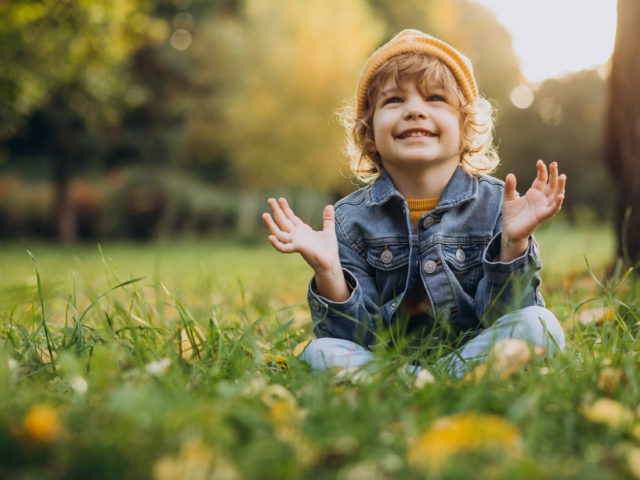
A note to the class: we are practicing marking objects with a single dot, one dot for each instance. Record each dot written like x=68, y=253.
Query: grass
x=138, y=361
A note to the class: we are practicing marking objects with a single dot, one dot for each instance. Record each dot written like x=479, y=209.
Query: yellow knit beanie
x=415, y=41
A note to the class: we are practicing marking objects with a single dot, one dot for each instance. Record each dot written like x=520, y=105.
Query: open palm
x=289, y=234
x=522, y=215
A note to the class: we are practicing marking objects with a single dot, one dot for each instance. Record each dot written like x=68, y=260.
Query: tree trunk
x=622, y=155
x=67, y=148
x=64, y=208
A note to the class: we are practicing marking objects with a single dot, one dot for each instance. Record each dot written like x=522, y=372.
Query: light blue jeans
x=536, y=325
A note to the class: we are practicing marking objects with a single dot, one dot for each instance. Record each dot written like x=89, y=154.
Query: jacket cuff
x=320, y=306
x=497, y=271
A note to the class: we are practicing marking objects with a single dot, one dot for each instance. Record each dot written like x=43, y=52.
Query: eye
x=393, y=99
x=436, y=98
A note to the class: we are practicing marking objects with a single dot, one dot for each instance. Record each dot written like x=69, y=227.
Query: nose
x=415, y=111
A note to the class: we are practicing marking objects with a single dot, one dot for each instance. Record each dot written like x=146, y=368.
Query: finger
x=281, y=247
x=279, y=215
x=562, y=181
x=271, y=225
x=283, y=237
x=541, y=178
x=558, y=189
x=553, y=178
x=288, y=212
x=510, y=188
x=328, y=219
x=554, y=207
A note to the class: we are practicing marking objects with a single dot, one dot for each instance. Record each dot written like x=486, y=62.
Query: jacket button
x=428, y=222
x=386, y=256
x=460, y=255
x=430, y=266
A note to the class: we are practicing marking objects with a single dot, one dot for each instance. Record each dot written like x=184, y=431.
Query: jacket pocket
x=464, y=259
x=390, y=262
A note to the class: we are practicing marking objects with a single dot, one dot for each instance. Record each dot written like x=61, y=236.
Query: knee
x=541, y=327
x=327, y=352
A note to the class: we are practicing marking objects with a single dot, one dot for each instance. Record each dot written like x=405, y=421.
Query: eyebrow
x=387, y=91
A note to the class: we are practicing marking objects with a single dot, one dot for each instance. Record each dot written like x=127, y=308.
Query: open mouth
x=416, y=133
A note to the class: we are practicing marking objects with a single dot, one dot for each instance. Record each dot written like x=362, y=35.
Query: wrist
x=331, y=284
x=511, y=249
x=331, y=272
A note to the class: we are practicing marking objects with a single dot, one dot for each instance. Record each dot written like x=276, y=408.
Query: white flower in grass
x=79, y=384
x=159, y=367
x=423, y=378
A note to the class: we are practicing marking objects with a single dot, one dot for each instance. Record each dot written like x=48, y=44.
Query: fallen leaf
x=477, y=374
x=596, y=315
x=464, y=432
x=633, y=461
x=609, y=379
x=190, y=347
x=300, y=348
x=609, y=412
x=507, y=357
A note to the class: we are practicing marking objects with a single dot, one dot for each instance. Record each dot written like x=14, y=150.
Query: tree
x=623, y=129
x=280, y=72
x=277, y=75
x=71, y=55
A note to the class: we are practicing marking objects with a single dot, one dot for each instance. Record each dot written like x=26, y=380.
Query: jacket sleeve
x=508, y=286
x=355, y=318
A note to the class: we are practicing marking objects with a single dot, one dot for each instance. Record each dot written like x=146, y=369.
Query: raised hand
x=289, y=234
x=522, y=215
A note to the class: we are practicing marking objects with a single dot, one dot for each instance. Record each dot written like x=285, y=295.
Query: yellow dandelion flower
x=42, y=423
x=464, y=432
x=279, y=360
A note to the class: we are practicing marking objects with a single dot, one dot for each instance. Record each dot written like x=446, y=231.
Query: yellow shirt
x=416, y=301
x=419, y=207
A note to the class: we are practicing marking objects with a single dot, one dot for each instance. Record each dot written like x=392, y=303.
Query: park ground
x=177, y=360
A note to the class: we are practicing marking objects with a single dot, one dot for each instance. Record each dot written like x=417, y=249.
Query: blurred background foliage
x=156, y=118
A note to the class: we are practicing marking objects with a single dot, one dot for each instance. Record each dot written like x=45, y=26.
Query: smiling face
x=416, y=124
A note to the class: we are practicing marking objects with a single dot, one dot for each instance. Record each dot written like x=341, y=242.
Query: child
x=432, y=245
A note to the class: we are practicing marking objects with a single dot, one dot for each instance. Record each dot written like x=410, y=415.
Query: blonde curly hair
x=477, y=154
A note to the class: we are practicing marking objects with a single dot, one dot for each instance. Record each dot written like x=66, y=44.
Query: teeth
x=417, y=134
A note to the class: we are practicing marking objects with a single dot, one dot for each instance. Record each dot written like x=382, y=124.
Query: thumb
x=328, y=219
x=510, y=188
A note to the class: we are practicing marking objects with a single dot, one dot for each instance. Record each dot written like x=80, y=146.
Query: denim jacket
x=453, y=253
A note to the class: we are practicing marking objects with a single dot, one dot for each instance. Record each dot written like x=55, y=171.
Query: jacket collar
x=461, y=188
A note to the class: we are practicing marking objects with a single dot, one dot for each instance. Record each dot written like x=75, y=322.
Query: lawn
x=176, y=361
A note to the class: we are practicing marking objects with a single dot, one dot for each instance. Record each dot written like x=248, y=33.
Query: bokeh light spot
x=181, y=39
x=522, y=97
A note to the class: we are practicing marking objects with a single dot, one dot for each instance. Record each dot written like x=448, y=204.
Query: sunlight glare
x=555, y=37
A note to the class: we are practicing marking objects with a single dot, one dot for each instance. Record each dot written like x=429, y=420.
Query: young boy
x=432, y=244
